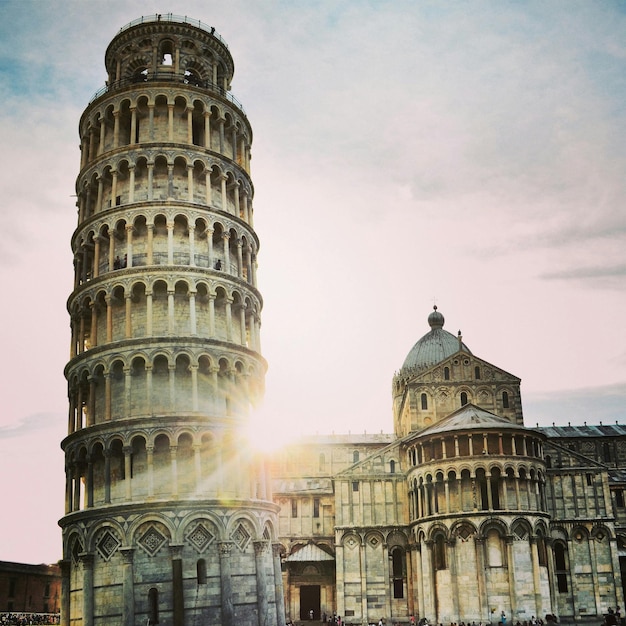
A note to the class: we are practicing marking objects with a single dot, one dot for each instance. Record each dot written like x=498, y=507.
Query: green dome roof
x=434, y=346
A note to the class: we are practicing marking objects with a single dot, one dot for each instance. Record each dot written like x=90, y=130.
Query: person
x=609, y=619
x=218, y=264
x=117, y=264
x=503, y=618
x=311, y=614
x=412, y=620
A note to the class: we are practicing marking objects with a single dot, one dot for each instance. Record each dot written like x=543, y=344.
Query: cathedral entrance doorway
x=309, y=601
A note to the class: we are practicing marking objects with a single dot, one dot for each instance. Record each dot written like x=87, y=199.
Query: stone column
x=107, y=299
x=113, y=188
x=239, y=258
x=116, y=129
x=148, y=368
x=483, y=599
x=260, y=548
x=111, y=251
x=224, y=194
x=128, y=591
x=170, y=243
x=133, y=125
x=225, y=240
x=207, y=133
x=192, y=313
x=65, y=565
x=149, y=312
x=127, y=472
x=170, y=312
x=512, y=577
x=190, y=125
x=279, y=597
x=190, y=185
x=103, y=130
x=534, y=557
x=87, y=558
x=150, y=463
x=107, y=477
x=229, y=318
x=207, y=184
x=89, y=482
x=151, y=121
x=450, y=544
x=228, y=612
x=170, y=122
x=99, y=197
x=178, y=600
x=194, y=387
x=220, y=122
x=68, y=489
x=174, y=466
x=150, y=167
x=363, y=576
x=93, y=332
x=212, y=315
x=150, y=244
x=76, y=496
x=129, y=245
x=128, y=330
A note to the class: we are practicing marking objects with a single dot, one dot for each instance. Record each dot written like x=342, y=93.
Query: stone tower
x=168, y=517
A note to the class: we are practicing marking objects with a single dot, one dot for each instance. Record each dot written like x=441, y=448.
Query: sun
x=266, y=432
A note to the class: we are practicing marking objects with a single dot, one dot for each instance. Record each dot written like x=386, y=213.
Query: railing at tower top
x=168, y=77
x=176, y=19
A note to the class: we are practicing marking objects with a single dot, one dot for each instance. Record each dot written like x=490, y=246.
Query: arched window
x=477, y=372
x=446, y=373
x=153, y=606
x=439, y=553
x=424, y=399
x=505, y=400
x=392, y=467
x=560, y=566
x=322, y=463
x=463, y=398
x=494, y=549
x=355, y=456
x=397, y=570
x=201, y=571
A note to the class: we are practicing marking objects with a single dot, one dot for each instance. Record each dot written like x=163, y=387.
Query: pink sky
x=404, y=153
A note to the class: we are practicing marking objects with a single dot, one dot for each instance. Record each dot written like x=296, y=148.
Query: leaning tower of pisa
x=168, y=517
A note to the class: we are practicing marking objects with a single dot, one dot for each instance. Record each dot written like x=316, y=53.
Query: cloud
x=35, y=423
x=577, y=406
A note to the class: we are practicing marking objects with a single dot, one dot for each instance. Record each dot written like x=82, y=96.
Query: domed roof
x=434, y=346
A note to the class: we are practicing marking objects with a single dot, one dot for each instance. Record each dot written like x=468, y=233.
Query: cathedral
x=461, y=514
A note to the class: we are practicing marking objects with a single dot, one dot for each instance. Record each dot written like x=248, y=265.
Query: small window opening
x=294, y=508
x=424, y=399
x=446, y=373
x=619, y=498
x=463, y=398
x=505, y=400
x=316, y=507
x=392, y=467
x=355, y=456
x=153, y=606
x=477, y=373
x=355, y=486
x=201, y=571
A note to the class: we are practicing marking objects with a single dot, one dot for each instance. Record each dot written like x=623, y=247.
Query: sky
x=405, y=154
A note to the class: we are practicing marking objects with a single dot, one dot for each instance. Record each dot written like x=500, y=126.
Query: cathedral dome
x=434, y=346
